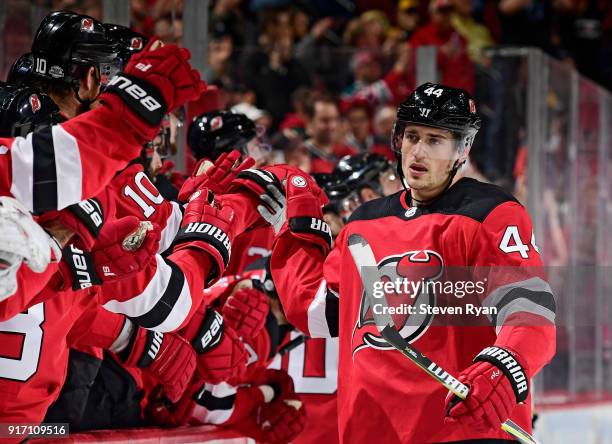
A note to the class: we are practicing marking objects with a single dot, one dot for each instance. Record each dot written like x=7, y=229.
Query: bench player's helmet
x=438, y=106
x=362, y=170
x=23, y=109
x=216, y=132
x=66, y=44
x=21, y=70
x=130, y=42
x=335, y=189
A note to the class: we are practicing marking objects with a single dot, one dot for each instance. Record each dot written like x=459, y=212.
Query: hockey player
x=444, y=221
x=210, y=136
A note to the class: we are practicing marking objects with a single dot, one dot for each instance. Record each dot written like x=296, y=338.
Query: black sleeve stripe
x=211, y=402
x=543, y=299
x=44, y=185
x=273, y=333
x=332, y=313
x=161, y=310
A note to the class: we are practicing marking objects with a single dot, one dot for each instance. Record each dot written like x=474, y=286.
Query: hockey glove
x=304, y=213
x=283, y=419
x=498, y=382
x=22, y=239
x=124, y=247
x=167, y=357
x=221, y=354
x=245, y=312
x=153, y=83
x=167, y=414
x=217, y=177
x=207, y=228
x=85, y=219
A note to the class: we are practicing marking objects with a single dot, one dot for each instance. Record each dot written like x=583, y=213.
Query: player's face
x=428, y=155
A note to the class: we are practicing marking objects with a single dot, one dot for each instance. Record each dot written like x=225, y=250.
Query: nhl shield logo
x=216, y=123
x=34, y=102
x=87, y=25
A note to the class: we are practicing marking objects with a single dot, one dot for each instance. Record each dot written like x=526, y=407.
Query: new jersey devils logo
x=87, y=25
x=406, y=278
x=34, y=102
x=136, y=43
x=216, y=123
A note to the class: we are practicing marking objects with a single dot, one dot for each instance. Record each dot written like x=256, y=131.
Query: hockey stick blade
x=363, y=256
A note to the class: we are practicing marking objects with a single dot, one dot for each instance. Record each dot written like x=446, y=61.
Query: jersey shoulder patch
x=379, y=208
x=471, y=198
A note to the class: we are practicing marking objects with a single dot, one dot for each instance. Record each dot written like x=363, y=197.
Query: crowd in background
x=270, y=57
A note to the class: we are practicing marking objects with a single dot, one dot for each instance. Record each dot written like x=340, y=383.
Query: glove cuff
x=144, y=99
x=213, y=239
x=313, y=228
x=210, y=333
x=141, y=353
x=507, y=362
x=82, y=269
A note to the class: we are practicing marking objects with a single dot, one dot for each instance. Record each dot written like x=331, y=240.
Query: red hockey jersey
x=384, y=396
x=67, y=163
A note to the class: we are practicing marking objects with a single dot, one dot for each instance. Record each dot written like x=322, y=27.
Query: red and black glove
x=218, y=177
x=283, y=419
x=164, y=413
x=305, y=214
x=167, y=357
x=498, y=382
x=221, y=353
x=85, y=219
x=124, y=247
x=209, y=228
x=245, y=311
x=153, y=83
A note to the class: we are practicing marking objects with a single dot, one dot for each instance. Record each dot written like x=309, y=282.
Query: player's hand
x=166, y=356
x=154, y=82
x=245, y=311
x=85, y=219
x=124, y=247
x=165, y=413
x=493, y=395
x=21, y=239
x=221, y=354
x=304, y=212
x=209, y=228
x=216, y=177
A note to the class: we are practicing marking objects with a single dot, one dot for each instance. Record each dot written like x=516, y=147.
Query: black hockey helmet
x=130, y=42
x=335, y=189
x=216, y=132
x=66, y=44
x=441, y=107
x=23, y=109
x=21, y=70
x=362, y=170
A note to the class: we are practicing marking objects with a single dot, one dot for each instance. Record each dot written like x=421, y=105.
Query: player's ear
x=90, y=84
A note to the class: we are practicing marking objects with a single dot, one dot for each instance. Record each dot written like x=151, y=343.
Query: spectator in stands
x=323, y=127
x=226, y=14
x=476, y=34
x=384, y=118
x=454, y=64
x=408, y=18
x=527, y=23
x=359, y=129
x=220, y=48
x=295, y=120
x=272, y=72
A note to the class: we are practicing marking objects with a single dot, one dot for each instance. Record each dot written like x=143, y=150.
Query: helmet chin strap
x=451, y=175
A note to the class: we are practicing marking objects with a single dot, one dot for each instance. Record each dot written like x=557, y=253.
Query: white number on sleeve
x=155, y=199
x=511, y=242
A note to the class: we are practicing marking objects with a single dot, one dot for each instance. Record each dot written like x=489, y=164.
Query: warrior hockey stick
x=363, y=256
